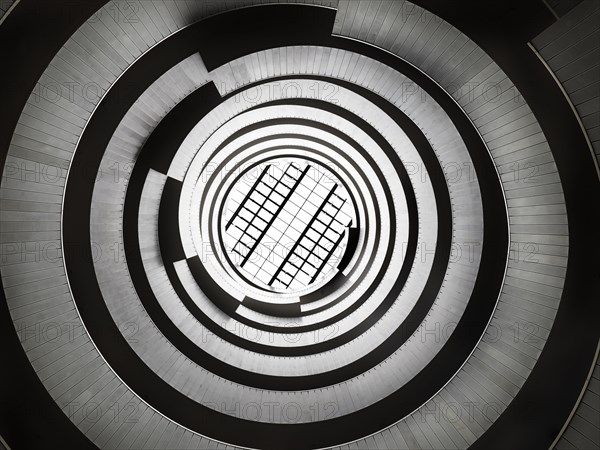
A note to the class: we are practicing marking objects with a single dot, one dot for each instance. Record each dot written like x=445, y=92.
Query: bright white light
x=285, y=225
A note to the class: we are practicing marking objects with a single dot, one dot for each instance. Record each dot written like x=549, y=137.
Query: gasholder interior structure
x=271, y=224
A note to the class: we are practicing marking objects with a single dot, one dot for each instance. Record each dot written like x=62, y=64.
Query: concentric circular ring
x=304, y=237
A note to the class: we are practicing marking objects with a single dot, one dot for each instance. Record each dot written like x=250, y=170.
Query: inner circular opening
x=285, y=224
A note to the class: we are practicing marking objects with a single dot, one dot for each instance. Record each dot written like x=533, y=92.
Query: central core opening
x=285, y=224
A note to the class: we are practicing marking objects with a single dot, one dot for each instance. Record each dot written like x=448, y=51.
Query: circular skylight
x=285, y=224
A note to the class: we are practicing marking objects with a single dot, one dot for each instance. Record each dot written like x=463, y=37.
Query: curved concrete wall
x=48, y=133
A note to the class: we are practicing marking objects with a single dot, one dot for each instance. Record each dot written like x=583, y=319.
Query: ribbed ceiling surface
x=313, y=224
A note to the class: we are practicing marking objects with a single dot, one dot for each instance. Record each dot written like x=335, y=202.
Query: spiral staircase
x=353, y=224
